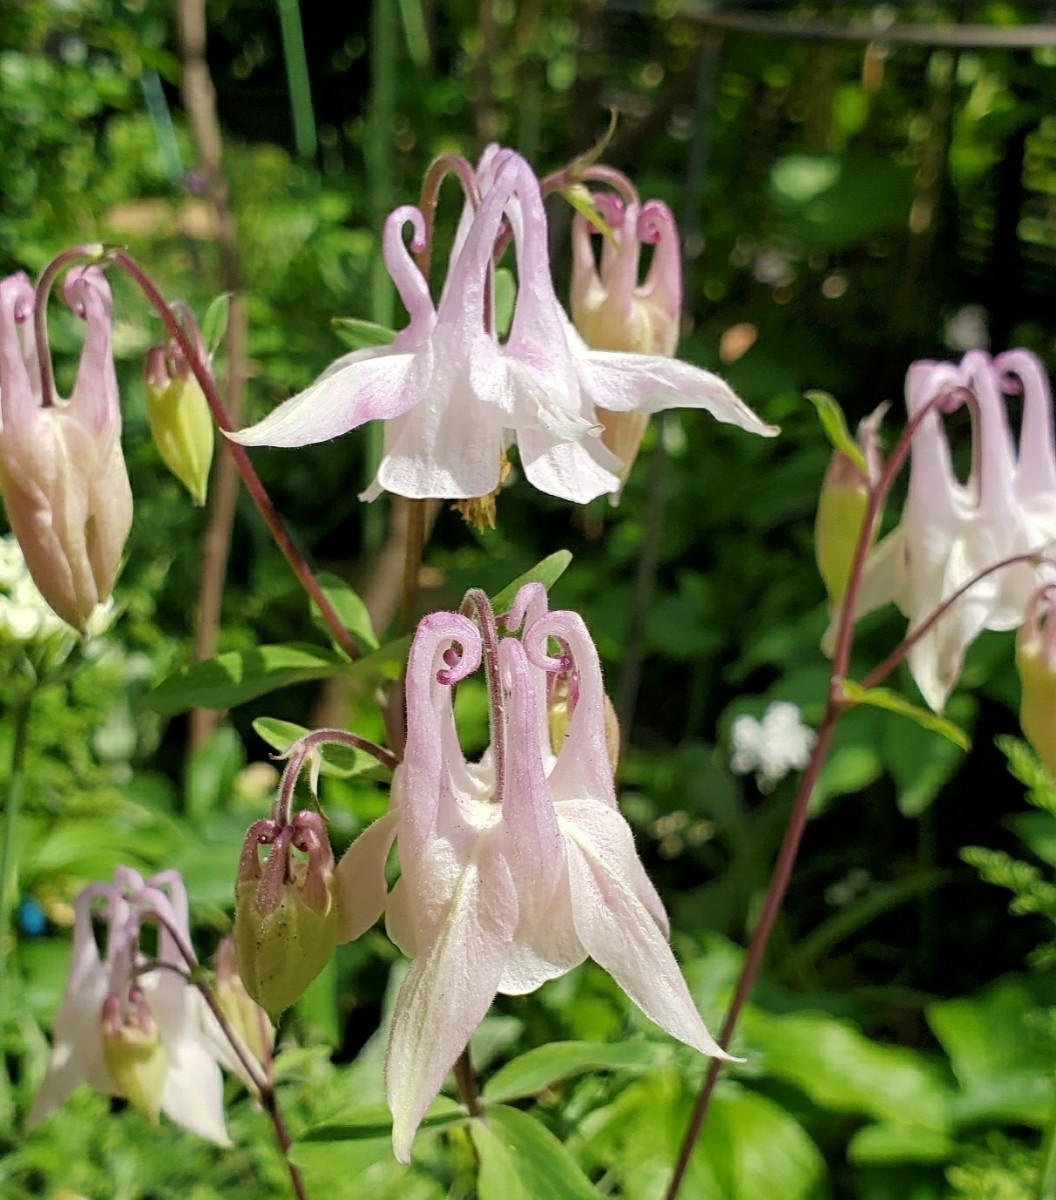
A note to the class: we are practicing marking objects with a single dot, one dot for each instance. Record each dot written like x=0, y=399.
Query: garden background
x=848, y=203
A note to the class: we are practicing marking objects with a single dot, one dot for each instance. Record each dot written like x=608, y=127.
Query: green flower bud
x=285, y=916
x=180, y=421
x=243, y=1013
x=1036, y=663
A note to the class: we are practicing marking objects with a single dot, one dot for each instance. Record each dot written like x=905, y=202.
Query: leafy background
x=841, y=203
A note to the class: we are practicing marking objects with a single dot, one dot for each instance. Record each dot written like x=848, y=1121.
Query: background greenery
x=841, y=203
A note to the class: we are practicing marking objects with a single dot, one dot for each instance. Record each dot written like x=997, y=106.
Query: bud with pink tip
x=62, y=472
x=285, y=917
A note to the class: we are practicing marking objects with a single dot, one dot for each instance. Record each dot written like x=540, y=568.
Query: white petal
x=359, y=878
x=375, y=386
x=613, y=907
x=448, y=990
x=621, y=382
x=576, y=471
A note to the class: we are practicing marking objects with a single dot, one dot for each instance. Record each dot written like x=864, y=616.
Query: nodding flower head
x=131, y=1023
x=1036, y=663
x=454, y=397
x=516, y=868
x=952, y=531
x=62, y=472
x=285, y=917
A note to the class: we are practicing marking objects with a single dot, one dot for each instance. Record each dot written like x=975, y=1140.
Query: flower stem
x=466, y=1083
x=262, y=1082
x=786, y=858
x=12, y=806
x=250, y=478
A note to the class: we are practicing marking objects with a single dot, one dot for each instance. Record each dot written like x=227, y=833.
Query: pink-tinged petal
x=1036, y=469
x=432, y=754
x=372, y=385
x=359, y=879
x=77, y=1047
x=94, y=398
x=404, y=272
x=614, y=905
x=546, y=944
x=582, y=769
x=995, y=456
x=193, y=1095
x=527, y=811
x=577, y=471
x=448, y=447
x=20, y=398
x=649, y=383
x=448, y=989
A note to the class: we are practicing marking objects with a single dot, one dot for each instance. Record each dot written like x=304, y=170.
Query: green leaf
x=339, y=762
x=892, y=701
x=505, y=293
x=888, y=1144
x=349, y=608
x=520, y=1159
x=835, y=425
x=839, y=1068
x=211, y=772
x=546, y=1065
x=1003, y=1074
x=214, y=323
x=547, y=572
x=365, y=1121
x=921, y=764
x=580, y=198
x=242, y=675
x=361, y=335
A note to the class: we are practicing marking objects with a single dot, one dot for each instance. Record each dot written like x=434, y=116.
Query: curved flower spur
x=513, y=869
x=454, y=397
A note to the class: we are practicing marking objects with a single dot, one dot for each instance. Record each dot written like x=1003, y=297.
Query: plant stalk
x=20, y=713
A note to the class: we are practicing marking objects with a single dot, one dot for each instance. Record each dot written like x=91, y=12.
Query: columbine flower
x=514, y=869
x=61, y=468
x=131, y=1029
x=951, y=531
x=772, y=747
x=612, y=311
x=454, y=398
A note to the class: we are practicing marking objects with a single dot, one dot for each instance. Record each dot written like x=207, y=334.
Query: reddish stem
x=250, y=478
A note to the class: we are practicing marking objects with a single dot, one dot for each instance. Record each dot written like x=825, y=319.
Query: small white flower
x=772, y=747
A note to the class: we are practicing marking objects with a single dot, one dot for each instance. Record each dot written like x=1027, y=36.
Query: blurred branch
x=199, y=101
x=952, y=37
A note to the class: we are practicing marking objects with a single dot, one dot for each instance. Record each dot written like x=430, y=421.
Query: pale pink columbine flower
x=132, y=1026
x=950, y=530
x=513, y=869
x=454, y=397
x=62, y=472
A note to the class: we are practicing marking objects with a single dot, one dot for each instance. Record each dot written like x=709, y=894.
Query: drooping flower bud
x=1036, y=663
x=243, y=1013
x=285, y=917
x=62, y=472
x=180, y=420
x=562, y=696
x=133, y=1052
x=842, y=507
x=612, y=311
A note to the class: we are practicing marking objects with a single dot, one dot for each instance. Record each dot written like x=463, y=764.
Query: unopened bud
x=180, y=420
x=285, y=917
x=133, y=1053
x=842, y=508
x=1036, y=663
x=245, y=1016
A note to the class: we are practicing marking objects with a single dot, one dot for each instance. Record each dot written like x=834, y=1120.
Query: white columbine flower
x=513, y=869
x=131, y=1029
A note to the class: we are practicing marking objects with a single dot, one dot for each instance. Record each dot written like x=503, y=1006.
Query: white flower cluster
x=772, y=747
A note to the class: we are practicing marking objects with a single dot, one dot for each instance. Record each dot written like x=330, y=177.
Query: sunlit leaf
x=892, y=701
x=835, y=425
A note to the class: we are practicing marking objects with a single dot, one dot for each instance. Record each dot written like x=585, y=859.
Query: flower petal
x=359, y=878
x=615, y=910
x=448, y=989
